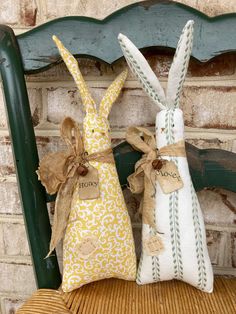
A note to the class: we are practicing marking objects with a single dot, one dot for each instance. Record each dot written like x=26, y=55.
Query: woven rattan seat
x=117, y=297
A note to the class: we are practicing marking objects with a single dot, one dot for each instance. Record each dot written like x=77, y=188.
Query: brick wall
x=208, y=101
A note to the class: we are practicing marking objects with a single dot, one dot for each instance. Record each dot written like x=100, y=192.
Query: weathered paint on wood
x=147, y=24
x=26, y=160
x=208, y=167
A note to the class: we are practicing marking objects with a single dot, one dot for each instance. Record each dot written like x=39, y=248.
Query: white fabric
x=143, y=71
x=192, y=252
x=178, y=216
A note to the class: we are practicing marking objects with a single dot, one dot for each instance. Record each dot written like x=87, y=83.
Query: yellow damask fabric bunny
x=98, y=241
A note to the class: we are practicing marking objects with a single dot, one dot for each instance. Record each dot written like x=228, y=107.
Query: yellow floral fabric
x=98, y=241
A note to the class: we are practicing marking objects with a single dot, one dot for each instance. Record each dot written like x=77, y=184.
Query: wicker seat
x=117, y=297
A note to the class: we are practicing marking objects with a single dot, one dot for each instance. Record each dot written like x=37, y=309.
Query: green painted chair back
x=149, y=24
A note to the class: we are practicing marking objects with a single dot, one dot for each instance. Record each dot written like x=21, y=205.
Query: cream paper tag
x=169, y=178
x=153, y=245
x=87, y=247
x=89, y=185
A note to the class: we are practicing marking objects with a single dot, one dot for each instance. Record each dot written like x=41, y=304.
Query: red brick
x=209, y=107
x=11, y=305
x=28, y=12
x=217, y=206
x=9, y=200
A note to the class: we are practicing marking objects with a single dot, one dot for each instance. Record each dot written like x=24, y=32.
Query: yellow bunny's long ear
x=112, y=93
x=73, y=68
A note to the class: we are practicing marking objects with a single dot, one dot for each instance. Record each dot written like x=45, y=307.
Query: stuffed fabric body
x=178, y=217
x=98, y=241
x=179, y=221
x=106, y=220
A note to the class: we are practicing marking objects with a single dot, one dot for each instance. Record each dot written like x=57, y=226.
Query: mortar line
x=104, y=82
x=16, y=259
x=14, y=219
x=190, y=133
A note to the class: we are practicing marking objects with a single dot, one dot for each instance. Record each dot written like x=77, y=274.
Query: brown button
x=82, y=170
x=157, y=164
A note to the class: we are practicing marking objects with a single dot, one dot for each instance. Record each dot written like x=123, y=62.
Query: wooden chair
x=149, y=24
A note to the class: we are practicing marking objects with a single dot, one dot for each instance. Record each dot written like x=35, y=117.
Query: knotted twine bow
x=144, y=177
x=60, y=171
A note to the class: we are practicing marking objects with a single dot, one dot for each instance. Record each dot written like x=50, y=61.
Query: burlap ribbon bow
x=144, y=177
x=60, y=171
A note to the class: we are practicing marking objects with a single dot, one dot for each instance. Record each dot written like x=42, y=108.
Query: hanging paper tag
x=169, y=178
x=153, y=245
x=87, y=247
x=89, y=185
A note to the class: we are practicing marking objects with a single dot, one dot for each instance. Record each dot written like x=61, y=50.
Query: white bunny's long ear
x=73, y=67
x=140, y=67
x=179, y=66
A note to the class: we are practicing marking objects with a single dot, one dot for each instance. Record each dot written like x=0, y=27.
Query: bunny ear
x=143, y=71
x=179, y=66
x=112, y=93
x=73, y=67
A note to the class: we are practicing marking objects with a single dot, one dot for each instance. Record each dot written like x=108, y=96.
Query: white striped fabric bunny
x=178, y=214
